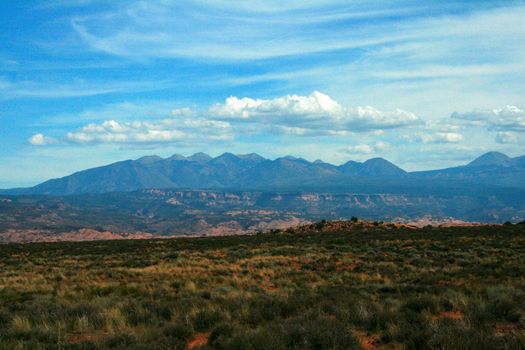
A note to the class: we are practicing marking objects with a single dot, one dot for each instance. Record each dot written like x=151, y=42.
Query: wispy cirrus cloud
x=229, y=31
x=10, y=89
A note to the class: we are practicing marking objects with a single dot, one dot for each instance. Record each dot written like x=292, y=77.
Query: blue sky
x=424, y=84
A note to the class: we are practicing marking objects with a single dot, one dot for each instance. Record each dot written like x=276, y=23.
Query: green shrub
x=120, y=341
x=421, y=303
x=221, y=335
x=205, y=319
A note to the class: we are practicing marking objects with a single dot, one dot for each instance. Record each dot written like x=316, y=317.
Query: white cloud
x=226, y=31
x=448, y=137
x=436, y=137
x=183, y=112
x=508, y=118
x=361, y=149
x=50, y=90
x=166, y=130
x=298, y=131
x=307, y=116
x=41, y=140
x=441, y=71
x=314, y=106
x=365, y=149
x=381, y=145
x=229, y=30
x=506, y=137
x=316, y=113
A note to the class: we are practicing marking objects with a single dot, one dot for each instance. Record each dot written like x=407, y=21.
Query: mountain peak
x=148, y=159
x=176, y=156
x=234, y=161
x=377, y=160
x=491, y=158
x=380, y=167
x=227, y=155
x=199, y=157
x=291, y=159
x=250, y=156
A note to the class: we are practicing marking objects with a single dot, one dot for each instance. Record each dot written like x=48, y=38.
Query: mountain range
x=491, y=172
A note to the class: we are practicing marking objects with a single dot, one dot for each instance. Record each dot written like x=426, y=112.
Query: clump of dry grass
x=21, y=324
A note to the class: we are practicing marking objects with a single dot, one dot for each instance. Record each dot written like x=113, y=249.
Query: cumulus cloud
x=299, y=131
x=508, y=118
x=437, y=137
x=313, y=106
x=506, y=137
x=41, y=140
x=306, y=116
x=167, y=130
x=381, y=145
x=315, y=114
x=360, y=149
x=363, y=148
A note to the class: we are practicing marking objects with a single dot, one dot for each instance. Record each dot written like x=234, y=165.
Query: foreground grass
x=439, y=288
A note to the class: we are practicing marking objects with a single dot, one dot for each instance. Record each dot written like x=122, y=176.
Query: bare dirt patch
x=199, y=339
x=454, y=315
x=345, y=266
x=503, y=329
x=368, y=341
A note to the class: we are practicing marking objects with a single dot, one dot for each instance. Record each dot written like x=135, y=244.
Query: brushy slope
x=371, y=287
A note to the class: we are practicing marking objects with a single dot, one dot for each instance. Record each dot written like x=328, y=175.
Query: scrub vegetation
x=325, y=286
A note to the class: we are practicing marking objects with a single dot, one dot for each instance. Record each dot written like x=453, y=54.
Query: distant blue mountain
x=492, y=159
x=376, y=167
x=253, y=172
x=492, y=168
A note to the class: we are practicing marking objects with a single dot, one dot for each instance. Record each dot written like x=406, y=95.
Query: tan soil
x=198, y=340
x=367, y=341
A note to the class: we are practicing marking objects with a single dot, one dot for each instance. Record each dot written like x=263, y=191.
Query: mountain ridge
x=254, y=172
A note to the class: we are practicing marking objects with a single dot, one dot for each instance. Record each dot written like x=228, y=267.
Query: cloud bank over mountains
x=314, y=115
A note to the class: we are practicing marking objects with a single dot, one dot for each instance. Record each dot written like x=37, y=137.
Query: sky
x=424, y=84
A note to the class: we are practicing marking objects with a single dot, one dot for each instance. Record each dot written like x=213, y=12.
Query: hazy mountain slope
x=491, y=159
x=252, y=171
x=283, y=172
x=121, y=176
x=375, y=167
x=491, y=168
